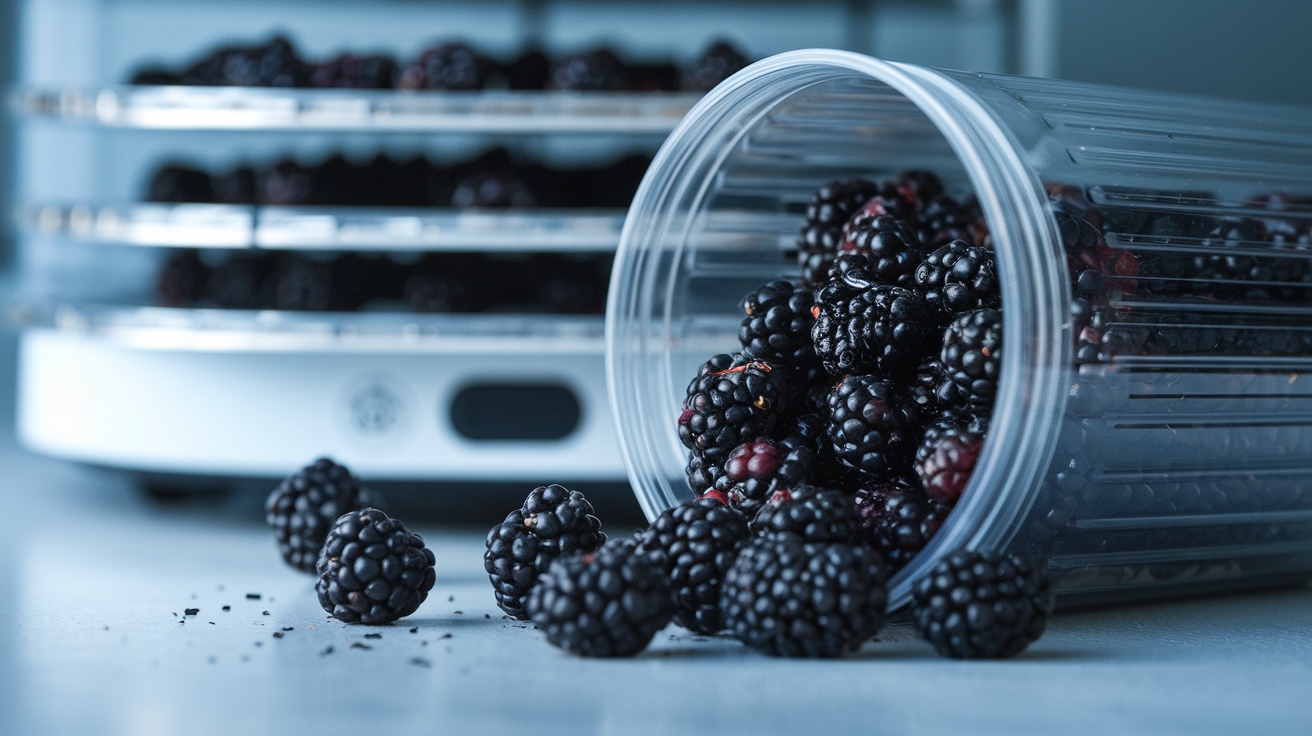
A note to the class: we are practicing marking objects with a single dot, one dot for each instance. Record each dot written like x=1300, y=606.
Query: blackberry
x=448, y=66
x=777, y=328
x=657, y=77
x=304, y=507
x=826, y=214
x=897, y=521
x=810, y=514
x=300, y=284
x=958, y=277
x=703, y=473
x=982, y=605
x=922, y=391
x=731, y=401
x=869, y=428
x=947, y=454
x=530, y=70
x=915, y=187
x=697, y=542
x=892, y=247
x=943, y=220
x=605, y=603
x=865, y=327
x=715, y=65
x=154, y=75
x=237, y=186
x=492, y=189
x=971, y=358
x=286, y=183
x=179, y=280
x=240, y=282
x=176, y=183
x=373, y=570
x=786, y=598
x=594, y=71
x=756, y=469
x=354, y=71
x=271, y=64
x=553, y=521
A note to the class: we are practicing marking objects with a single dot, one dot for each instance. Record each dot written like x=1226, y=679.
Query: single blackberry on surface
x=826, y=214
x=697, y=542
x=892, y=247
x=971, y=358
x=553, y=521
x=175, y=183
x=777, y=328
x=943, y=220
x=870, y=430
x=865, y=327
x=594, y=71
x=731, y=401
x=756, y=469
x=448, y=66
x=958, y=277
x=373, y=570
x=897, y=521
x=809, y=513
x=715, y=65
x=947, y=454
x=982, y=605
x=791, y=599
x=606, y=603
x=304, y=507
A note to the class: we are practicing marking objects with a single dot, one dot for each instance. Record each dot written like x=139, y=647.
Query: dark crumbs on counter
x=420, y=662
x=358, y=645
x=414, y=630
x=327, y=650
x=252, y=596
x=278, y=635
x=227, y=608
x=265, y=613
x=289, y=628
x=373, y=636
x=445, y=636
x=190, y=611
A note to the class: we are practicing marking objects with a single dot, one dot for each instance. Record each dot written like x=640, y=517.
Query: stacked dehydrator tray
x=409, y=311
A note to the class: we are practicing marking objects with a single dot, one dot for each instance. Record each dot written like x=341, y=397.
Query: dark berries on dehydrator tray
x=870, y=429
x=447, y=66
x=696, y=541
x=808, y=514
x=304, y=507
x=862, y=326
x=605, y=603
x=731, y=401
x=592, y=71
x=553, y=521
x=717, y=64
x=373, y=570
x=975, y=605
x=791, y=599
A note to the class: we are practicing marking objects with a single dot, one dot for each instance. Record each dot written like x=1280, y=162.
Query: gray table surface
x=93, y=640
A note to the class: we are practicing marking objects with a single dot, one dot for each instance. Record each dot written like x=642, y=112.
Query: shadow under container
x=1152, y=432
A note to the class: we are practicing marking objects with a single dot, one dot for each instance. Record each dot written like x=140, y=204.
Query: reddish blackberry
x=943, y=220
x=892, y=247
x=897, y=521
x=947, y=454
x=354, y=71
x=826, y=214
x=697, y=542
x=915, y=187
x=554, y=521
x=605, y=603
x=373, y=570
x=304, y=507
x=809, y=513
x=865, y=327
x=448, y=66
x=777, y=328
x=971, y=358
x=717, y=64
x=731, y=401
x=958, y=277
x=988, y=605
x=790, y=599
x=756, y=469
x=593, y=71
x=869, y=428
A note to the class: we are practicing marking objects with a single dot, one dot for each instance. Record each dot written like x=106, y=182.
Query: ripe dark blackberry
x=373, y=570
x=826, y=214
x=448, y=66
x=915, y=188
x=354, y=71
x=237, y=186
x=892, y=247
x=947, y=454
x=594, y=71
x=489, y=189
x=865, y=327
x=530, y=70
x=777, y=328
x=271, y=64
x=943, y=220
x=790, y=599
x=303, y=508
x=971, y=358
x=988, y=605
x=756, y=469
x=731, y=401
x=553, y=521
x=958, y=277
x=897, y=521
x=703, y=473
x=605, y=603
x=717, y=64
x=300, y=284
x=240, y=282
x=809, y=513
x=175, y=183
x=286, y=183
x=869, y=428
x=178, y=282
x=697, y=542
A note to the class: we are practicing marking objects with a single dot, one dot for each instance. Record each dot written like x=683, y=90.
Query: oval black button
x=515, y=411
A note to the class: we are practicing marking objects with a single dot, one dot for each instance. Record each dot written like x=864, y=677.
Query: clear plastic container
x=1152, y=432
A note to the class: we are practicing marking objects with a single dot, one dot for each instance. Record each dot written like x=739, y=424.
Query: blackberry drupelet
x=303, y=508
x=810, y=514
x=892, y=247
x=373, y=570
x=958, y=277
x=717, y=64
x=897, y=521
x=605, y=603
x=448, y=66
x=870, y=430
x=593, y=71
x=790, y=599
x=947, y=454
x=922, y=390
x=971, y=358
x=756, y=469
x=731, y=401
x=826, y=214
x=777, y=328
x=697, y=542
x=865, y=327
x=553, y=521
x=988, y=605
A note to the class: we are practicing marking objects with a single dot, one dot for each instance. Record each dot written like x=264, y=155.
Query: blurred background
x=245, y=234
